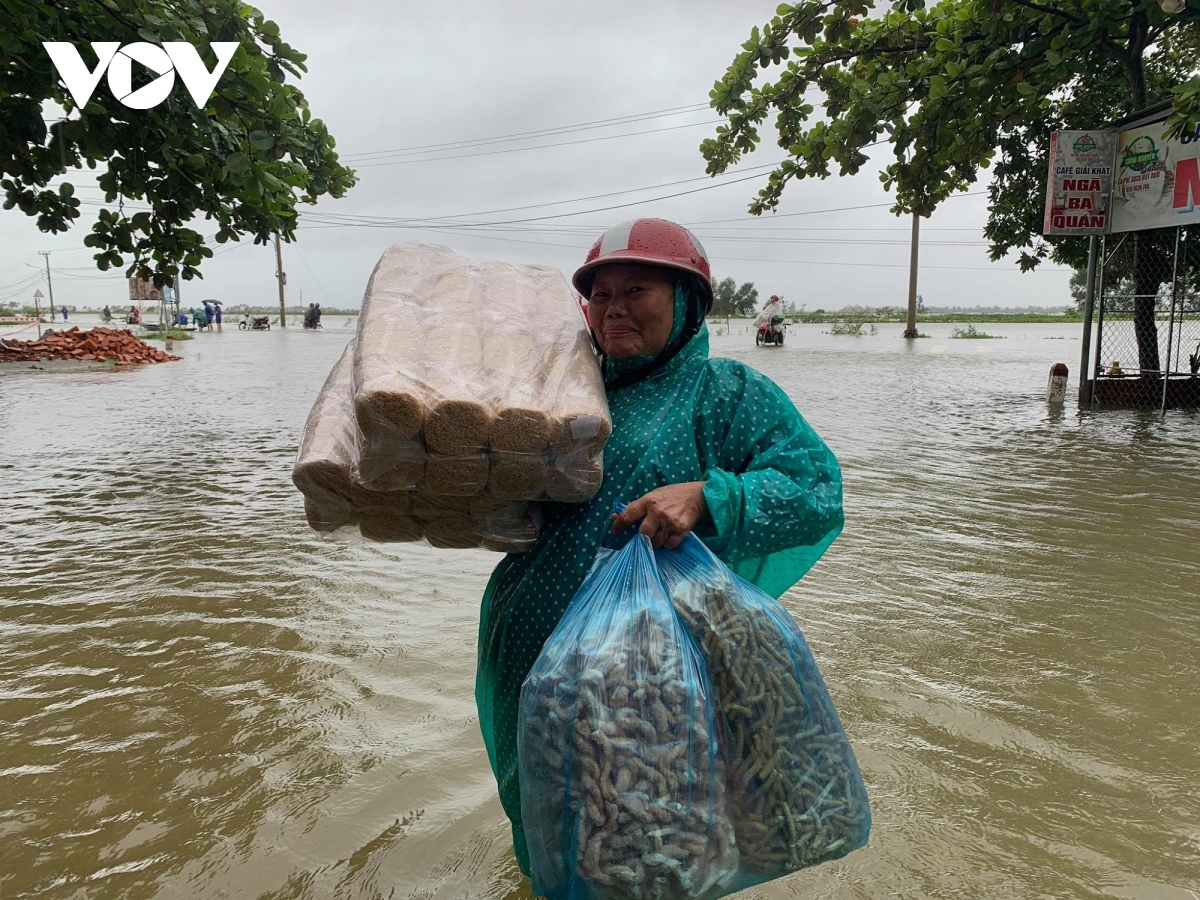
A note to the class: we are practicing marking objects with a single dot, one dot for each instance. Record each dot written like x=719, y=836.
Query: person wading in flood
x=698, y=444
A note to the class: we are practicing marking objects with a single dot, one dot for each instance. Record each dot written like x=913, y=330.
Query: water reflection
x=201, y=699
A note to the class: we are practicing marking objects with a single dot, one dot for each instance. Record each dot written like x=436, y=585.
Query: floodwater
x=199, y=699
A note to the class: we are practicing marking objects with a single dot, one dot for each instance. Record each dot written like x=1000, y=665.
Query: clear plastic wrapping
x=324, y=469
x=676, y=740
x=476, y=379
x=392, y=511
x=795, y=791
x=622, y=782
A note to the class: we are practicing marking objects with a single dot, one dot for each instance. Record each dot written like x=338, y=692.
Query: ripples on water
x=200, y=699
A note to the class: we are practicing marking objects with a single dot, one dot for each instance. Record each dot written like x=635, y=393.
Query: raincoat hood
x=687, y=323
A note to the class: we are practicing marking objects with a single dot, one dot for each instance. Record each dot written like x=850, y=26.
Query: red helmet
x=655, y=242
x=774, y=296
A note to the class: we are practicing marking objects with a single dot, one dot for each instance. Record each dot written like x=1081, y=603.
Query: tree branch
x=1049, y=10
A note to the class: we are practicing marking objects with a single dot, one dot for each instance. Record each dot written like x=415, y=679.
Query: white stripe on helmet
x=695, y=243
x=616, y=238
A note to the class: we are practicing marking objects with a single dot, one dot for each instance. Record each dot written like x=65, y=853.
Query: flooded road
x=199, y=699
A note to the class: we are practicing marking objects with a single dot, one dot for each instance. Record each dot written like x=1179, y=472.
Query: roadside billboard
x=1157, y=180
x=143, y=291
x=1079, y=183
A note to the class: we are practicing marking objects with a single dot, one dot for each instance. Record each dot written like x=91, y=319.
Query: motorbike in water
x=771, y=333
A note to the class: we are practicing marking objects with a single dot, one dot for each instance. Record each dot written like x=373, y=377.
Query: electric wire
x=592, y=140
x=296, y=250
x=542, y=132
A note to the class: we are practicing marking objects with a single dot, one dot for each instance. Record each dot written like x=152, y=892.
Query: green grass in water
x=853, y=327
x=971, y=332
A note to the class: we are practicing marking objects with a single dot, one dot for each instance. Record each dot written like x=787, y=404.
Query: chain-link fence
x=1148, y=320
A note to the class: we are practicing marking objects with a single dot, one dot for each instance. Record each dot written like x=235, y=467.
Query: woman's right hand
x=669, y=514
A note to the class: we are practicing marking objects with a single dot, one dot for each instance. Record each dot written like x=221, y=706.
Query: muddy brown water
x=200, y=699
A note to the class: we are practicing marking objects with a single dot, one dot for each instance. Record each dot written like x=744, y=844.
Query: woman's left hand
x=668, y=513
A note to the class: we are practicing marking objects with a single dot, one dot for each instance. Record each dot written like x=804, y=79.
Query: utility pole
x=281, y=277
x=911, y=330
x=37, y=310
x=49, y=284
x=1086, y=372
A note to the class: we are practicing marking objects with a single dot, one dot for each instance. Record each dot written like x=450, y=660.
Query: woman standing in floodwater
x=698, y=444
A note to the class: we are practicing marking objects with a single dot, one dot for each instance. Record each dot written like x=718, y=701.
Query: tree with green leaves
x=955, y=87
x=243, y=160
x=731, y=300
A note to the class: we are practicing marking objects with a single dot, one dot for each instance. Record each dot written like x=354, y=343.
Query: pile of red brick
x=97, y=344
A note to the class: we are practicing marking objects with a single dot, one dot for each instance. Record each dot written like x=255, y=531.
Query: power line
x=99, y=276
x=22, y=283
x=601, y=208
x=296, y=249
x=740, y=235
x=488, y=212
x=542, y=132
x=635, y=203
x=715, y=256
x=17, y=265
x=856, y=264
x=234, y=245
x=813, y=212
x=589, y=232
x=607, y=137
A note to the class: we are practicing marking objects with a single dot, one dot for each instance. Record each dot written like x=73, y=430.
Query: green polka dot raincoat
x=773, y=490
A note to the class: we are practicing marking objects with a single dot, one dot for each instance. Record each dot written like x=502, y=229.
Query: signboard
x=1080, y=182
x=143, y=291
x=1157, y=181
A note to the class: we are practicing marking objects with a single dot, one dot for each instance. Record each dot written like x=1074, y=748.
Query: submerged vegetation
x=855, y=326
x=970, y=332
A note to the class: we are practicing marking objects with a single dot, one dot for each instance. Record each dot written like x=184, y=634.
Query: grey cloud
x=391, y=75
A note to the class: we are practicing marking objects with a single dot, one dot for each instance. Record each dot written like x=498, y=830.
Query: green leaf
x=238, y=163
x=263, y=140
x=1025, y=88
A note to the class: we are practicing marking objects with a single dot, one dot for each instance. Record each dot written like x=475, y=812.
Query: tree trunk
x=1150, y=270
x=1149, y=263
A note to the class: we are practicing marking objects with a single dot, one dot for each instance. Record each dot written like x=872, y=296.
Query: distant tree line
x=731, y=300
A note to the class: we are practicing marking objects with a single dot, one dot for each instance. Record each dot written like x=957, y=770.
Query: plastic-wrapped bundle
x=795, y=791
x=573, y=380
x=511, y=358
x=477, y=379
x=325, y=473
x=622, y=783
x=325, y=464
x=577, y=435
x=389, y=377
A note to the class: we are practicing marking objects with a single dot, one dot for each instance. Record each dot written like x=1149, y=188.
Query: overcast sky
x=387, y=76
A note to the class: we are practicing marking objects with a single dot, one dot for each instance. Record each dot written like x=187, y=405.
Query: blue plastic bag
x=794, y=788
x=622, y=783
